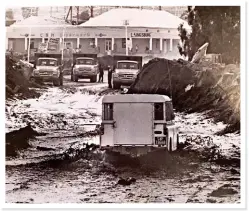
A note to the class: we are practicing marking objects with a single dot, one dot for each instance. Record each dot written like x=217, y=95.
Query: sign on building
x=146, y=34
x=42, y=47
x=54, y=40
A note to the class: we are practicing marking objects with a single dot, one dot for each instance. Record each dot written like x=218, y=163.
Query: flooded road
x=57, y=167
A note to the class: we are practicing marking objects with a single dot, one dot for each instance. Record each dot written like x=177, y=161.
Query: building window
x=108, y=111
x=108, y=45
x=158, y=111
x=123, y=43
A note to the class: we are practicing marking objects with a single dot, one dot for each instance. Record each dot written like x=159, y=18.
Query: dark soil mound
x=17, y=140
x=17, y=80
x=194, y=87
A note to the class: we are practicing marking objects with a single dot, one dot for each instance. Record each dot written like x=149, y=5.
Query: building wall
x=85, y=45
x=118, y=42
x=35, y=42
x=175, y=43
x=142, y=44
x=101, y=44
x=156, y=45
x=19, y=45
x=72, y=40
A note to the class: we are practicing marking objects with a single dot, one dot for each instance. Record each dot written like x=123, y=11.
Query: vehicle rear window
x=85, y=61
x=158, y=111
x=127, y=65
x=47, y=62
x=108, y=111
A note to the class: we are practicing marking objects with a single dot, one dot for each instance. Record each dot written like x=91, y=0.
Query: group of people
x=101, y=75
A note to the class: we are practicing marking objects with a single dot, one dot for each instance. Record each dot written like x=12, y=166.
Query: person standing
x=136, y=48
x=110, y=70
x=101, y=73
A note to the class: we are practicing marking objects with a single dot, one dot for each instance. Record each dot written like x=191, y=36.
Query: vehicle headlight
x=36, y=72
x=56, y=72
x=95, y=69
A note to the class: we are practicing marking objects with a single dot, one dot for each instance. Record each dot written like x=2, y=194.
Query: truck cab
x=138, y=123
x=126, y=70
x=48, y=67
x=84, y=66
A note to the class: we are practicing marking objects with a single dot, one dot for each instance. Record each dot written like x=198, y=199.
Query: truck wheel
x=93, y=79
x=32, y=80
x=116, y=86
x=75, y=78
x=56, y=82
x=170, y=144
x=177, y=141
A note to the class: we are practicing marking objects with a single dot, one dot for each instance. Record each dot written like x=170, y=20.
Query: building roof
x=136, y=98
x=39, y=21
x=136, y=18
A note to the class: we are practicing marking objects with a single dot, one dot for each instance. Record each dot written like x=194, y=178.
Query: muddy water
x=43, y=174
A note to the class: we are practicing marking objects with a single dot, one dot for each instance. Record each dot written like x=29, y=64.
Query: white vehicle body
x=138, y=121
x=87, y=69
x=48, y=69
x=125, y=75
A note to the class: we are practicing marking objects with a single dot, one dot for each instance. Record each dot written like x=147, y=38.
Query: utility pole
x=29, y=43
x=126, y=23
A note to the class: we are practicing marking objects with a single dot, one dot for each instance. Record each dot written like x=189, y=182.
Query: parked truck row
x=49, y=67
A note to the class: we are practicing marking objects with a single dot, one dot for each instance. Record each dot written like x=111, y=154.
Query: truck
x=48, y=68
x=126, y=70
x=84, y=66
x=136, y=124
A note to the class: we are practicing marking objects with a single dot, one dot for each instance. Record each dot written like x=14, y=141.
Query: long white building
x=146, y=32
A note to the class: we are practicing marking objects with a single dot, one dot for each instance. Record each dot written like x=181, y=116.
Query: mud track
x=62, y=162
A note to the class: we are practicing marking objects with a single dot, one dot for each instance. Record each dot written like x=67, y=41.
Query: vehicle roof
x=127, y=61
x=136, y=98
x=85, y=58
x=48, y=58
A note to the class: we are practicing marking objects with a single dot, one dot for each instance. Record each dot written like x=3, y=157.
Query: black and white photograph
x=124, y=104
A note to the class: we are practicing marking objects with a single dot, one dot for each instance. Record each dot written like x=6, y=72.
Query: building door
x=108, y=45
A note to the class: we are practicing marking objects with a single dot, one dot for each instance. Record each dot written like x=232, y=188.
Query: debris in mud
x=127, y=181
x=17, y=140
x=44, y=148
x=213, y=87
x=211, y=200
x=223, y=191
